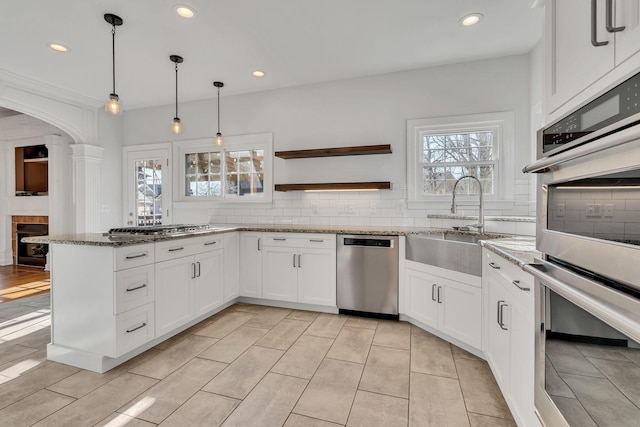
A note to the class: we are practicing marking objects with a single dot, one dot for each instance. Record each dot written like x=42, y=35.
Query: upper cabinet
x=585, y=42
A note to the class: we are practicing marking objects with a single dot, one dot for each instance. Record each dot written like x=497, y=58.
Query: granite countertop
x=520, y=250
x=101, y=239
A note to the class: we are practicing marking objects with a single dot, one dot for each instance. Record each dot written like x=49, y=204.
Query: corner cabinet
x=444, y=300
x=189, y=280
x=510, y=332
x=582, y=47
x=251, y=264
x=300, y=268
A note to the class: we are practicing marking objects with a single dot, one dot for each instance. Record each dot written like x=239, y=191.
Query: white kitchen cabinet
x=231, y=243
x=451, y=306
x=251, y=264
x=300, y=268
x=111, y=291
x=509, y=325
x=573, y=62
x=187, y=286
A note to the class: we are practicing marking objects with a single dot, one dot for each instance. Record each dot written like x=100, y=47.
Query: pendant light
x=218, y=135
x=113, y=104
x=177, y=126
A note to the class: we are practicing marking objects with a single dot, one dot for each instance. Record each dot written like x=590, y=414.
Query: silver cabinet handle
x=439, y=290
x=259, y=239
x=499, y=314
x=594, y=23
x=144, y=285
x=522, y=288
x=198, y=268
x=433, y=292
x=294, y=260
x=136, y=328
x=281, y=239
x=176, y=249
x=144, y=254
x=193, y=270
x=610, y=27
x=494, y=265
x=316, y=240
x=501, y=306
x=211, y=243
x=299, y=260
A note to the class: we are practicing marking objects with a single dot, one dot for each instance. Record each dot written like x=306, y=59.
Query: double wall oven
x=588, y=279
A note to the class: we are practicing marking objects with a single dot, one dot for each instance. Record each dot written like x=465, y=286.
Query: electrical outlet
x=608, y=211
x=560, y=209
x=401, y=207
x=373, y=209
x=594, y=210
x=105, y=208
x=351, y=209
x=314, y=208
x=340, y=209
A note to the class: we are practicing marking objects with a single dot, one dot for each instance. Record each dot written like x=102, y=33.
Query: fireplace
x=31, y=253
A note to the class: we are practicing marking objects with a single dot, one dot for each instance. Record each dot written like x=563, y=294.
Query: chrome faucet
x=480, y=224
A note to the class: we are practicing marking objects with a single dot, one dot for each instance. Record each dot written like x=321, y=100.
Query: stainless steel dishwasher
x=367, y=275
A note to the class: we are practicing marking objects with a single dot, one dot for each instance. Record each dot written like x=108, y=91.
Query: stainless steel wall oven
x=588, y=280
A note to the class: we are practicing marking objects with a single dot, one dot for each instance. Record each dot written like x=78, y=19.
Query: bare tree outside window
x=449, y=156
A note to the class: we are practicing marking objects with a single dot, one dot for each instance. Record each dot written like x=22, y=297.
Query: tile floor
x=251, y=366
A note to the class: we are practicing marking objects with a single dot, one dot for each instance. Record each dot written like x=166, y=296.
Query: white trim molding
x=86, y=172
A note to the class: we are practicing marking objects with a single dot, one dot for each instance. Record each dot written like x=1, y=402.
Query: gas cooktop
x=158, y=230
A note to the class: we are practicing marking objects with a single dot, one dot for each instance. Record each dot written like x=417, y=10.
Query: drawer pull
x=136, y=328
x=144, y=254
x=494, y=265
x=316, y=240
x=211, y=243
x=144, y=285
x=433, y=292
x=176, y=249
x=281, y=239
x=522, y=288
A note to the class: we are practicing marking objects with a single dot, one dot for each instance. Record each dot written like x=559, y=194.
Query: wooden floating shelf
x=336, y=186
x=333, y=152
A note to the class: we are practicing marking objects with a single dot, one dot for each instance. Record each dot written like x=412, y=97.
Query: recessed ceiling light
x=258, y=73
x=471, y=19
x=58, y=47
x=184, y=11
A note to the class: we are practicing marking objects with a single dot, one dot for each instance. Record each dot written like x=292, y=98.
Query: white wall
x=368, y=110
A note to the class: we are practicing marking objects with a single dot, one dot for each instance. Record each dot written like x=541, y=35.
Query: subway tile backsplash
x=606, y=214
x=365, y=208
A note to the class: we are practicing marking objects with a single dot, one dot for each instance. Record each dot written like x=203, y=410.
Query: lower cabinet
x=231, y=243
x=509, y=325
x=251, y=244
x=300, y=268
x=187, y=286
x=453, y=307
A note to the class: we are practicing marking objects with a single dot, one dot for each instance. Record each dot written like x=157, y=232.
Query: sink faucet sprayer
x=480, y=224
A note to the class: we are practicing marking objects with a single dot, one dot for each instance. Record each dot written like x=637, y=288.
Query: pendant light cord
x=176, y=89
x=218, y=110
x=113, y=55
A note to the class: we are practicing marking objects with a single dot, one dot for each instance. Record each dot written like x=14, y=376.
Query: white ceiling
x=294, y=41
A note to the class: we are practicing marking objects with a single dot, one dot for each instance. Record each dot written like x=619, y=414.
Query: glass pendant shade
x=176, y=127
x=113, y=105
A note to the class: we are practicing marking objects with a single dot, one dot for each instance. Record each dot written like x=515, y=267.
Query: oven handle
x=620, y=311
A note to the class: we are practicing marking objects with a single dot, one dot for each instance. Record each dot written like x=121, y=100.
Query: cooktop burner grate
x=157, y=230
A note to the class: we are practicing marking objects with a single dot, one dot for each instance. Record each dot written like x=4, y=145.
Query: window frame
x=261, y=141
x=501, y=122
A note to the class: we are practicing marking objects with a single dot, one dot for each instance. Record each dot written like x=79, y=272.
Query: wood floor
x=18, y=281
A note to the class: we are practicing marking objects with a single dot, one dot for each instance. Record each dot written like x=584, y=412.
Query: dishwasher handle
x=377, y=243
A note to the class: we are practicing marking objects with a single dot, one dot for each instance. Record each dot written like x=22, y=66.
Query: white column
x=6, y=252
x=86, y=177
x=60, y=207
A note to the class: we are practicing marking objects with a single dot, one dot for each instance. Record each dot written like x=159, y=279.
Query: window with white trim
x=442, y=150
x=238, y=171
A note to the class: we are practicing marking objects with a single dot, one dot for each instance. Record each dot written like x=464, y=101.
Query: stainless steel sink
x=451, y=250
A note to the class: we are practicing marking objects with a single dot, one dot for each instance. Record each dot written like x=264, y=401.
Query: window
x=238, y=171
x=442, y=150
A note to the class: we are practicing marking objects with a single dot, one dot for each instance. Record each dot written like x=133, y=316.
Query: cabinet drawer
x=134, y=287
x=134, y=256
x=134, y=328
x=300, y=240
x=172, y=249
x=508, y=271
